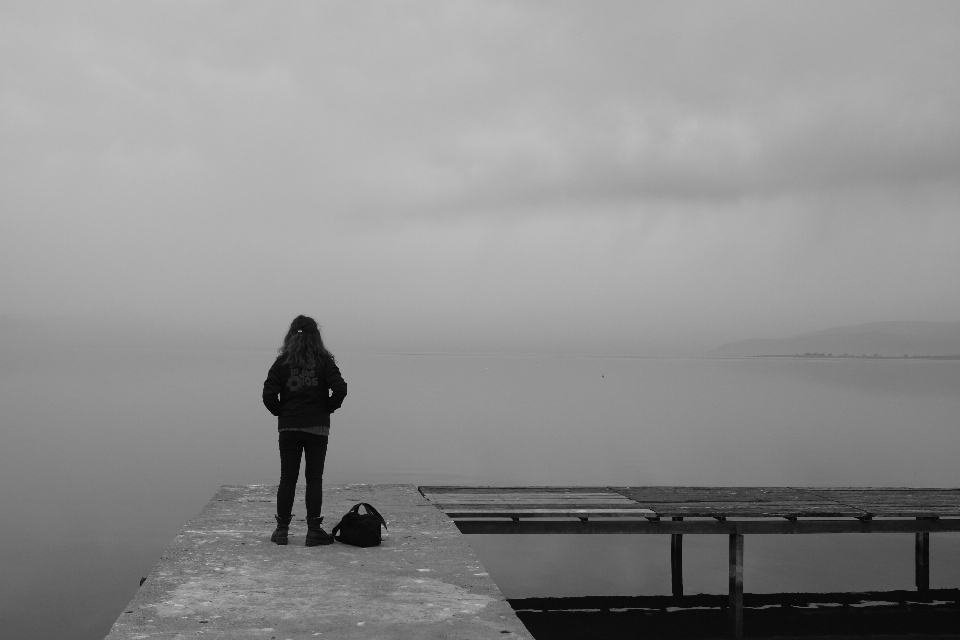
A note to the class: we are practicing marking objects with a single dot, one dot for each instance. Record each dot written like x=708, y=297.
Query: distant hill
x=892, y=339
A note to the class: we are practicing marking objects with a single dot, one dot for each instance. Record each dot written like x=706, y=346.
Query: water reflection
x=887, y=377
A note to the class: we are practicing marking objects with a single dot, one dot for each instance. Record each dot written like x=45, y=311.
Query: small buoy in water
x=384, y=535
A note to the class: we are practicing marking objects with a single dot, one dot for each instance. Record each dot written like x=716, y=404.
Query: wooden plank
x=517, y=495
x=713, y=527
x=735, y=606
x=934, y=497
x=635, y=511
x=878, y=488
x=505, y=490
x=538, y=505
x=898, y=503
x=578, y=497
x=717, y=494
x=455, y=512
x=489, y=503
x=493, y=506
x=531, y=495
x=540, y=500
x=894, y=511
x=822, y=509
x=534, y=499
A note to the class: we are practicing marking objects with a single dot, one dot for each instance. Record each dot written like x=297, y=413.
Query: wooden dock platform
x=731, y=511
x=223, y=578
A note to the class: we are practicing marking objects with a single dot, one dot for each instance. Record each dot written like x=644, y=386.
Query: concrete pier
x=223, y=578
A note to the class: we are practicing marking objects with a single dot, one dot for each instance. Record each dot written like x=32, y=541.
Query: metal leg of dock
x=735, y=608
x=676, y=560
x=922, y=561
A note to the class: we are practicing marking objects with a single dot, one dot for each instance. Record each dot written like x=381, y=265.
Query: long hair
x=303, y=345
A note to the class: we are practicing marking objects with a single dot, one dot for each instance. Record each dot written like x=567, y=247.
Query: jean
x=314, y=449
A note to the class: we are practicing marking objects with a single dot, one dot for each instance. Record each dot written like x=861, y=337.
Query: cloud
x=427, y=109
x=494, y=174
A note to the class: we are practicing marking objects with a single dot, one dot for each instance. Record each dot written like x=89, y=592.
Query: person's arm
x=271, y=391
x=336, y=385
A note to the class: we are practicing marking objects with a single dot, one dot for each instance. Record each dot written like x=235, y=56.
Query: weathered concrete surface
x=223, y=578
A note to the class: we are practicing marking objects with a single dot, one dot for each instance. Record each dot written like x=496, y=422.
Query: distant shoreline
x=846, y=356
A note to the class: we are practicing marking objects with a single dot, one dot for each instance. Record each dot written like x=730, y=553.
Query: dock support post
x=676, y=560
x=735, y=608
x=922, y=560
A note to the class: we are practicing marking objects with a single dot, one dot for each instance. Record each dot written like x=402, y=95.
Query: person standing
x=303, y=387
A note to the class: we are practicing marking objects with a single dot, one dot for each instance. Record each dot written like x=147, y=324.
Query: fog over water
x=503, y=185
x=617, y=178
x=103, y=472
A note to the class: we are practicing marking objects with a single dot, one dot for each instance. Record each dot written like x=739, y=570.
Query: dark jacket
x=302, y=397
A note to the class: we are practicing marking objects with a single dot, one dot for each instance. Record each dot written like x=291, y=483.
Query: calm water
x=106, y=454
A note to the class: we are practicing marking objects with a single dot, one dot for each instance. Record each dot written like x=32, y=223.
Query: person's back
x=303, y=387
x=300, y=395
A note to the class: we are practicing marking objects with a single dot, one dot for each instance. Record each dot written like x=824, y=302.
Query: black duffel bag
x=360, y=530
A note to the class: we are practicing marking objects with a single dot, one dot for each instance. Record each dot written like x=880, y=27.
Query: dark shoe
x=315, y=533
x=280, y=533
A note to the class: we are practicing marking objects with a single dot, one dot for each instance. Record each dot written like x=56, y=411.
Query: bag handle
x=356, y=509
x=370, y=509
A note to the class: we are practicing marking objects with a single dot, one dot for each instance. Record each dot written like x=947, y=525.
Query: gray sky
x=618, y=177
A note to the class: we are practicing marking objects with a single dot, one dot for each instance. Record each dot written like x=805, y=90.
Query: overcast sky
x=617, y=177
